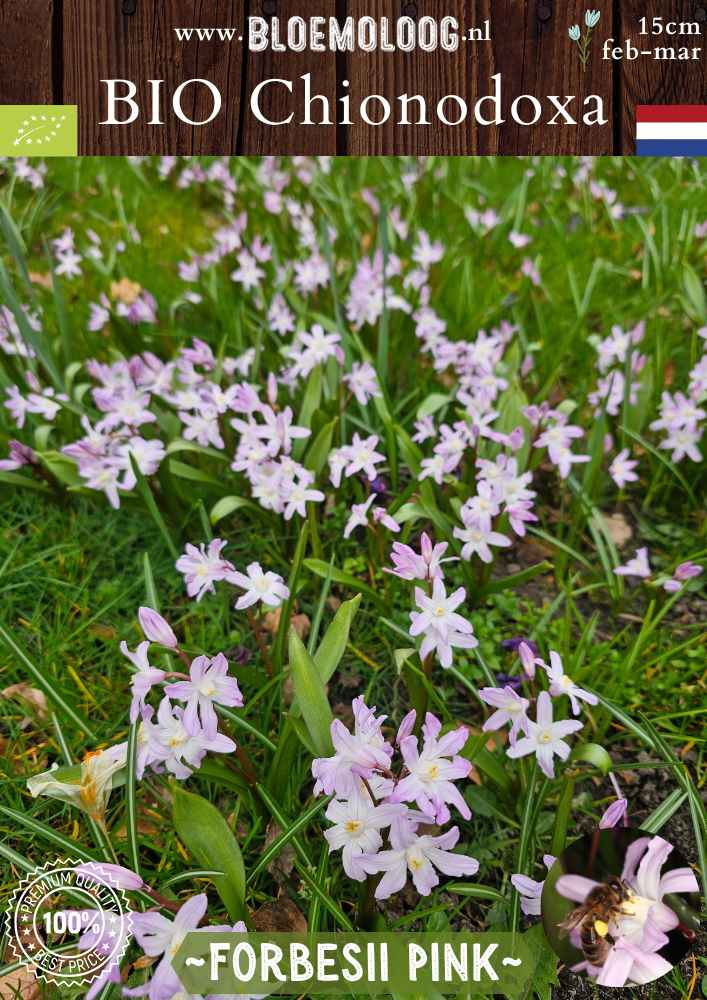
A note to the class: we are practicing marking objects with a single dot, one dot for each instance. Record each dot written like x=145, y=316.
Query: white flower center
x=545, y=736
x=637, y=907
x=415, y=861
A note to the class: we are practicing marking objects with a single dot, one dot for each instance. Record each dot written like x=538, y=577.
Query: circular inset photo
x=621, y=907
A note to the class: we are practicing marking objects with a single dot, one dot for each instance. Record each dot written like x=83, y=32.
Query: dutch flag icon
x=671, y=130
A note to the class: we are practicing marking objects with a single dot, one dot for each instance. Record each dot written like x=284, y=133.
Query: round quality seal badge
x=69, y=922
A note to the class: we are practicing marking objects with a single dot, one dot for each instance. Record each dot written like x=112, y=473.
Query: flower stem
x=262, y=646
x=313, y=531
x=366, y=912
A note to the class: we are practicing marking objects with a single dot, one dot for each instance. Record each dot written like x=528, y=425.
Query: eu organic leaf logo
x=38, y=130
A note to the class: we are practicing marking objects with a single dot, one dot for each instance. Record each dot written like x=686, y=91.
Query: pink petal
x=633, y=855
x=575, y=887
x=648, y=874
x=616, y=969
x=679, y=880
x=544, y=715
x=662, y=917
x=527, y=886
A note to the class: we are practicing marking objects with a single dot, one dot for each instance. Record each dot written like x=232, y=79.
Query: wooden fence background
x=57, y=52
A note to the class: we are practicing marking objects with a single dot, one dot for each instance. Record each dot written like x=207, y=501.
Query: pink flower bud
x=527, y=658
x=272, y=389
x=687, y=570
x=406, y=727
x=516, y=438
x=115, y=875
x=156, y=628
x=613, y=815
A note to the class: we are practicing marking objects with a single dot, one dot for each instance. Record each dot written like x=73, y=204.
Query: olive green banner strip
x=356, y=964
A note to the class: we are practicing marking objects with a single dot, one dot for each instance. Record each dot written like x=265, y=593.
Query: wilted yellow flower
x=87, y=785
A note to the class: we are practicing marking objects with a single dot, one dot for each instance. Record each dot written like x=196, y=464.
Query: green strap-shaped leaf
x=228, y=505
x=331, y=648
x=323, y=569
x=311, y=696
x=592, y=753
x=209, y=839
x=318, y=451
x=310, y=403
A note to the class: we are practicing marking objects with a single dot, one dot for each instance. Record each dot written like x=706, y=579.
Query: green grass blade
x=130, y=803
x=304, y=863
x=70, y=847
x=47, y=685
x=274, y=848
x=146, y=494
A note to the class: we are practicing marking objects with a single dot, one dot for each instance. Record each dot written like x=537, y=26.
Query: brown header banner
x=359, y=77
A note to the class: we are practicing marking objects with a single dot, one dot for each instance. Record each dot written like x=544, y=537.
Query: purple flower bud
x=406, y=727
x=115, y=875
x=516, y=438
x=156, y=628
x=511, y=645
x=378, y=486
x=506, y=680
x=614, y=815
x=687, y=570
x=527, y=658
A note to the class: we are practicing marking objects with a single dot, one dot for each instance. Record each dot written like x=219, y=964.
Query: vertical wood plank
x=276, y=103
x=430, y=74
x=536, y=56
x=529, y=46
x=101, y=42
x=646, y=80
x=26, y=52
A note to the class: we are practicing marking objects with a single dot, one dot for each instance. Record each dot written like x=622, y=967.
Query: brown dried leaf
x=43, y=280
x=281, y=866
x=271, y=620
x=620, y=531
x=280, y=916
x=105, y=632
x=288, y=691
x=20, y=983
x=144, y=962
x=300, y=623
x=29, y=694
x=125, y=290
